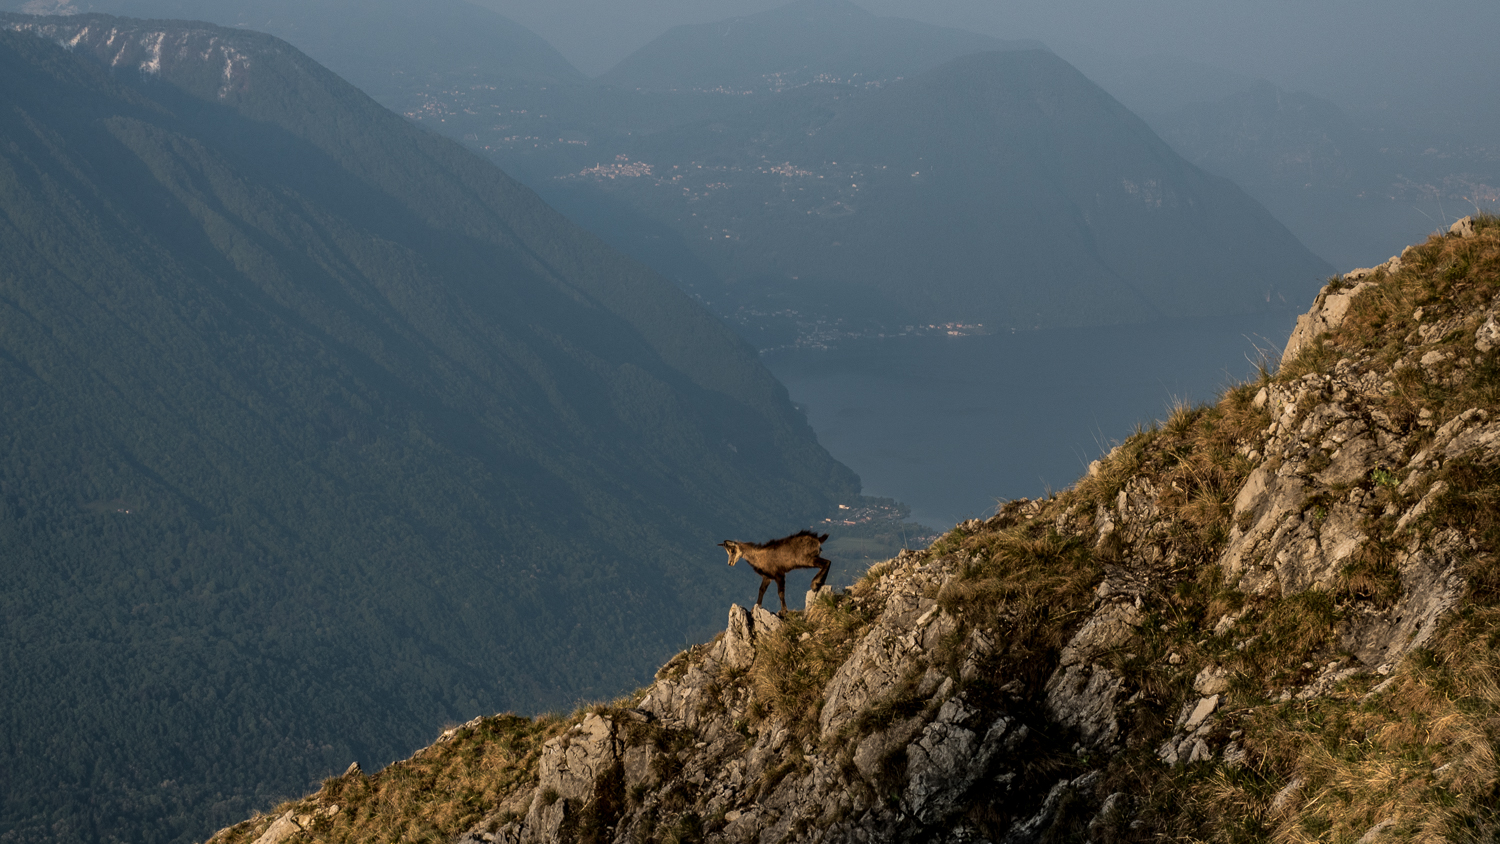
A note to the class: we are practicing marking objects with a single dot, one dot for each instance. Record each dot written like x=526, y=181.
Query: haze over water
x=952, y=426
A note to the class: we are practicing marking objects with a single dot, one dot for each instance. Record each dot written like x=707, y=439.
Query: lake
x=952, y=426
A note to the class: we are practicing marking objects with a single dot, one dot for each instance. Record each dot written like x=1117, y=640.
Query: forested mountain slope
x=319, y=430
x=1276, y=618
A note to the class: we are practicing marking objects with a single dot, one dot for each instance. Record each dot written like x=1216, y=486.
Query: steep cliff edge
x=1273, y=617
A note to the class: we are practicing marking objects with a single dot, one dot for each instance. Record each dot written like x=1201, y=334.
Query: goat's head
x=733, y=548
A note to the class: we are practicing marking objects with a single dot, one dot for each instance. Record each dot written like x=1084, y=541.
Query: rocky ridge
x=1277, y=616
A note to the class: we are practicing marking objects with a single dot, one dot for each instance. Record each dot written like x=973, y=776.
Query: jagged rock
x=1268, y=501
x=1456, y=437
x=910, y=625
x=1081, y=695
x=638, y=763
x=1111, y=814
x=1211, y=680
x=1487, y=336
x=571, y=764
x=1430, y=586
x=875, y=749
x=1420, y=509
x=1199, y=752
x=1350, y=462
x=1301, y=516
x=1227, y=622
x=545, y=820
x=1286, y=799
x=1032, y=829
x=739, y=639
x=1328, y=677
x=1464, y=227
x=947, y=760
x=1327, y=314
x=976, y=649
x=810, y=602
x=1204, y=708
x=1483, y=438
x=1110, y=627
x=765, y=622
x=681, y=700
x=283, y=828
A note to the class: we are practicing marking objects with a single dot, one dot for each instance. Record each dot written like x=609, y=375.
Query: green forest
x=317, y=433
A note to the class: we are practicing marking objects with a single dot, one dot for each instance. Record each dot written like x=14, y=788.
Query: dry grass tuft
x=434, y=796
x=1420, y=756
x=1030, y=582
x=790, y=672
x=1195, y=459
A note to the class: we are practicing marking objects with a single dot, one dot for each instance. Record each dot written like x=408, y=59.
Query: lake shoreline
x=953, y=426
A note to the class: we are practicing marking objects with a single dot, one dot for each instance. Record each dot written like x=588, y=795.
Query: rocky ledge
x=1276, y=616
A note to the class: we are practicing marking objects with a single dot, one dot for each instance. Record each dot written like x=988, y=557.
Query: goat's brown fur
x=772, y=560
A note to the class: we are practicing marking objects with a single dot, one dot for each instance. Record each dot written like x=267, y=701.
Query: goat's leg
x=764, y=582
x=822, y=576
x=781, y=592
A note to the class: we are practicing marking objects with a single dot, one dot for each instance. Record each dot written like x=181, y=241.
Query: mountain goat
x=772, y=560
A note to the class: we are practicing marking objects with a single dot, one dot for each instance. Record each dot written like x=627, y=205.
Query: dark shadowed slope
x=803, y=42
x=320, y=431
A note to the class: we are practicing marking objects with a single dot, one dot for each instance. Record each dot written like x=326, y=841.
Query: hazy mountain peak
x=805, y=41
x=805, y=10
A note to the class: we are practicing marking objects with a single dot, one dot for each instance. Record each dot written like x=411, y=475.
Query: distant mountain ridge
x=1297, y=139
x=315, y=424
x=1349, y=189
x=797, y=44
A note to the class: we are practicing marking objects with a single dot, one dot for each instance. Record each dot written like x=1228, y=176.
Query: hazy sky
x=1361, y=53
